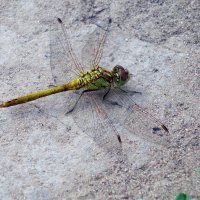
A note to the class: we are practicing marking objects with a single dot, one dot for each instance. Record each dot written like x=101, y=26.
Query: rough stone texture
x=45, y=155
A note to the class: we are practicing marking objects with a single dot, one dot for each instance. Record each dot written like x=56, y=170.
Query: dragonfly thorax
x=120, y=76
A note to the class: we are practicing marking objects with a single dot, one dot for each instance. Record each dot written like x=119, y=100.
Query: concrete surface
x=47, y=155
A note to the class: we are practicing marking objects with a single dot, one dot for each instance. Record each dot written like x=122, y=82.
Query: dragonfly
x=103, y=108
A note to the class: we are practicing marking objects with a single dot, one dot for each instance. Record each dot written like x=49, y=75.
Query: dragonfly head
x=120, y=75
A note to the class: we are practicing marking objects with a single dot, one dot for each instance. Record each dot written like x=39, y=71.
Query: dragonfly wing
x=63, y=61
x=136, y=119
x=93, y=50
x=91, y=117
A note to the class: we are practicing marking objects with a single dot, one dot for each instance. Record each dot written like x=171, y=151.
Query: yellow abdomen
x=73, y=85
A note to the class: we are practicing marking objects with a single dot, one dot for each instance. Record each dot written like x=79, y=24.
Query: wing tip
x=59, y=20
x=119, y=139
x=165, y=128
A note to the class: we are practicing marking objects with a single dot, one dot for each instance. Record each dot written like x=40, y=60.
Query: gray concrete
x=47, y=155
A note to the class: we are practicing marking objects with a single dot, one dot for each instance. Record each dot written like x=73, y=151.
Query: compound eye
x=118, y=67
x=123, y=74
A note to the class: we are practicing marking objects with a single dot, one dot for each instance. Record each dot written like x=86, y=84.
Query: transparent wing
x=91, y=116
x=136, y=119
x=93, y=50
x=64, y=62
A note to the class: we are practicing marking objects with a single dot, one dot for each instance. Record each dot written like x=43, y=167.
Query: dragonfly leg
x=51, y=85
x=111, y=102
x=115, y=103
x=104, y=96
x=130, y=92
x=80, y=95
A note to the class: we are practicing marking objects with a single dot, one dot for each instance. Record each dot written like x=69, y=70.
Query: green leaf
x=182, y=196
x=198, y=173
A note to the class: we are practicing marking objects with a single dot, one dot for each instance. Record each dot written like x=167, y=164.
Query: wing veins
x=106, y=118
x=65, y=49
x=99, y=50
x=69, y=47
x=141, y=110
